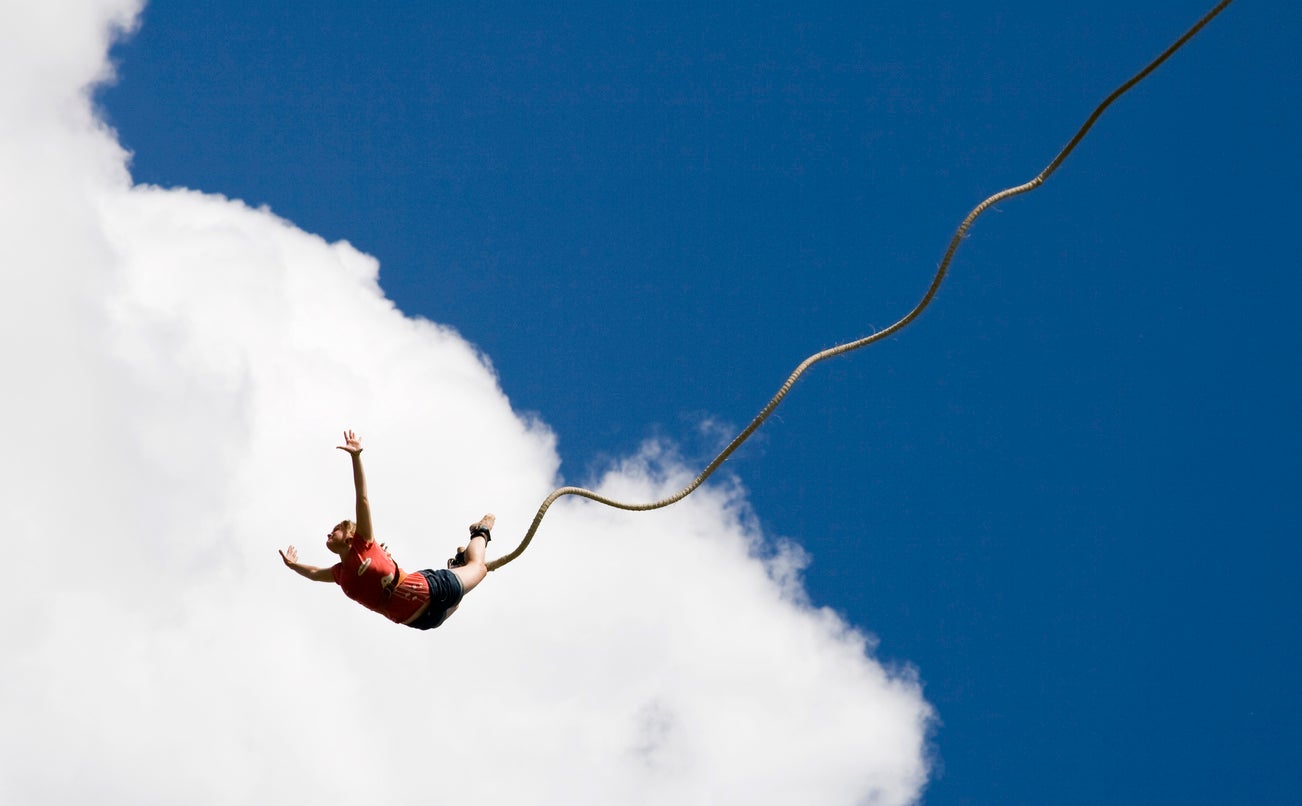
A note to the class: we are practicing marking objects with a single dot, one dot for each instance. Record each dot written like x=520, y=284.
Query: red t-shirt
x=409, y=595
x=367, y=573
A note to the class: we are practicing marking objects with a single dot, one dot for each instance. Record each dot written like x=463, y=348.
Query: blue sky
x=1068, y=494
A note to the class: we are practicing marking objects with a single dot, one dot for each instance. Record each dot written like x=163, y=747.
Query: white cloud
x=177, y=364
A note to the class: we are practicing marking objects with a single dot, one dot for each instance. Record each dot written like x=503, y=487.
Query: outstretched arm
x=290, y=556
x=353, y=446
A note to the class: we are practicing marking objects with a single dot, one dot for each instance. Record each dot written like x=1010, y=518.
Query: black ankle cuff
x=479, y=531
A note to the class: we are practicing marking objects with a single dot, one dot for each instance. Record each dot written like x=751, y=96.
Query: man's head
x=337, y=540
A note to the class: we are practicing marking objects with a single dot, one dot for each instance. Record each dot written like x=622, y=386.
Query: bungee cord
x=842, y=349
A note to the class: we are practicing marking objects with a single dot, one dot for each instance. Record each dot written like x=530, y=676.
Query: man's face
x=337, y=540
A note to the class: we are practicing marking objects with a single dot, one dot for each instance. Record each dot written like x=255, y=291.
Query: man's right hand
x=351, y=443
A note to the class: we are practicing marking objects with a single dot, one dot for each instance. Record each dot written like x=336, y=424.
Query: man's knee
x=471, y=574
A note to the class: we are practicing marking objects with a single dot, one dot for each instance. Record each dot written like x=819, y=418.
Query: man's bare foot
x=485, y=523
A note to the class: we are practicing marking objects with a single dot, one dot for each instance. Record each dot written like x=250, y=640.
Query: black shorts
x=444, y=594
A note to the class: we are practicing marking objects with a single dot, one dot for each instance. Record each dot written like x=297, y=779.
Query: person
x=368, y=574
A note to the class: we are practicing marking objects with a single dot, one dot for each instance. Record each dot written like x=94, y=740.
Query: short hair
x=349, y=528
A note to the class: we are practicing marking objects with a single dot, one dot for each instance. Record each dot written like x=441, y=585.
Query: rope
x=878, y=335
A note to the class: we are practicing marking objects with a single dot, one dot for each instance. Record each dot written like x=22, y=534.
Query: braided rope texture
x=847, y=347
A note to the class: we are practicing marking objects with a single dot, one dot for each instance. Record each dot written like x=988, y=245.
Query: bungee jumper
x=424, y=599
x=369, y=575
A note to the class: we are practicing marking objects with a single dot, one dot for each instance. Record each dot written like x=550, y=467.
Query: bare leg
x=475, y=569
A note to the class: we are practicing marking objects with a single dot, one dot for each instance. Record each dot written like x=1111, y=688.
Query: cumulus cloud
x=177, y=364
